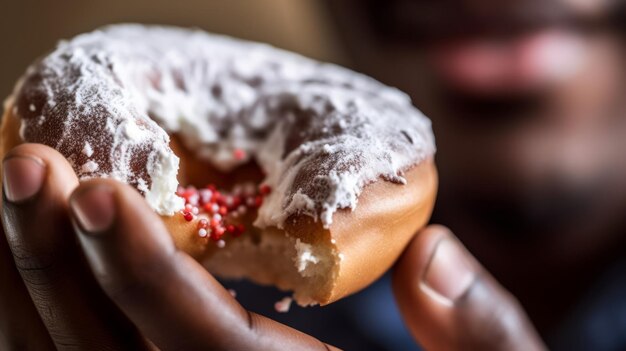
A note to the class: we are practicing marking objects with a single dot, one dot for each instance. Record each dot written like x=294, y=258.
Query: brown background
x=30, y=28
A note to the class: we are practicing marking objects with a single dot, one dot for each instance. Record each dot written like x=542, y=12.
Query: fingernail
x=94, y=208
x=449, y=273
x=23, y=177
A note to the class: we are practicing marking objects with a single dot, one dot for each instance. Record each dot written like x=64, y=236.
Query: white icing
x=283, y=305
x=305, y=259
x=89, y=167
x=319, y=132
x=163, y=166
x=132, y=132
x=87, y=149
x=142, y=186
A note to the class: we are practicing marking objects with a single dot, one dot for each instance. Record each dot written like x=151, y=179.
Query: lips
x=486, y=65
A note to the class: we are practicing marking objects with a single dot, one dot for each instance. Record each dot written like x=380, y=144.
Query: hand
x=123, y=285
x=120, y=284
x=449, y=302
x=52, y=298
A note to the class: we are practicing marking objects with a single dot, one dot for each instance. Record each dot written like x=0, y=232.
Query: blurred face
x=526, y=98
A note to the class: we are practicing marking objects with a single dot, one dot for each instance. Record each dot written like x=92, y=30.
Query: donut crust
x=364, y=242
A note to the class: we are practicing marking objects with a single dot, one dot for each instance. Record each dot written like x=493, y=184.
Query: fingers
x=450, y=302
x=169, y=296
x=37, y=182
x=20, y=325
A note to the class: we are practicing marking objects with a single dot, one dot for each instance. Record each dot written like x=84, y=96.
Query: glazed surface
x=108, y=99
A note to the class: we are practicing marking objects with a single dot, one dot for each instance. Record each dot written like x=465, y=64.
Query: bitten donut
x=263, y=164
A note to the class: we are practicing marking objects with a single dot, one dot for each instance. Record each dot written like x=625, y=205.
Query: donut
x=263, y=164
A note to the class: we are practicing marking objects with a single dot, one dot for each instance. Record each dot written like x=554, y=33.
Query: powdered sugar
x=319, y=132
x=283, y=305
x=87, y=149
x=89, y=167
x=305, y=259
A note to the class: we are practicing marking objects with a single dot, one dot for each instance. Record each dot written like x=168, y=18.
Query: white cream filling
x=305, y=259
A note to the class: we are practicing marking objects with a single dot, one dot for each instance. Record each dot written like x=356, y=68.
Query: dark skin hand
x=90, y=266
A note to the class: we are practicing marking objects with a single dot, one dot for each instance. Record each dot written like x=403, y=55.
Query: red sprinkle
x=223, y=210
x=203, y=224
x=217, y=210
x=217, y=196
x=239, y=154
x=265, y=189
x=216, y=233
x=236, y=201
x=188, y=216
x=215, y=222
x=258, y=201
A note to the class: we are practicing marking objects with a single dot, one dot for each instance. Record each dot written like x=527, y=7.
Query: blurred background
x=527, y=99
x=31, y=28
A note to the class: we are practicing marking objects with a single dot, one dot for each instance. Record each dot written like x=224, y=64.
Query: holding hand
x=123, y=285
x=449, y=302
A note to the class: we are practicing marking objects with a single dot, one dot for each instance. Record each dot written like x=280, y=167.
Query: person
x=531, y=181
x=121, y=284
x=527, y=103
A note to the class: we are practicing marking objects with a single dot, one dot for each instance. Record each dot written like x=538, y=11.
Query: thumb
x=449, y=301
